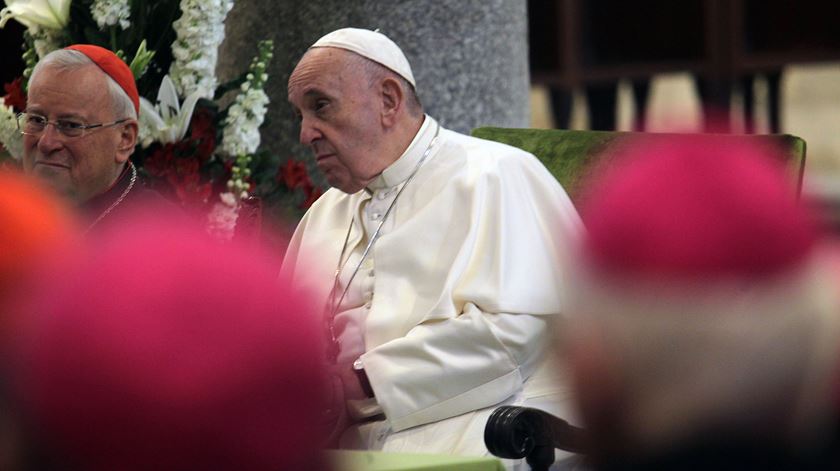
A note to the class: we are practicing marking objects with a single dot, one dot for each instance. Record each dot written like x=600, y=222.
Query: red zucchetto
x=115, y=67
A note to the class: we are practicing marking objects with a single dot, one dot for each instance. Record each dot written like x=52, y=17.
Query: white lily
x=168, y=120
x=48, y=14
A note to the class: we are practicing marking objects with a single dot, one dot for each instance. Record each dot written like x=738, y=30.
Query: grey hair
x=68, y=59
x=375, y=72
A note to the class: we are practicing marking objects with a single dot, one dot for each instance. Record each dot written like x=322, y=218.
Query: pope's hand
x=344, y=385
x=350, y=380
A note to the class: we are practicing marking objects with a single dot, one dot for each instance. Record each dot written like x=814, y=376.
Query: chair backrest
x=567, y=153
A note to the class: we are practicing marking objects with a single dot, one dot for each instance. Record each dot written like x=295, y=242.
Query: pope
x=438, y=253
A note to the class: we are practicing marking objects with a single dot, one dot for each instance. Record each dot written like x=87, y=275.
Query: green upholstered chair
x=567, y=154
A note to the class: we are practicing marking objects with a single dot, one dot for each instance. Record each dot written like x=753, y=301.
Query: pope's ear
x=127, y=140
x=393, y=100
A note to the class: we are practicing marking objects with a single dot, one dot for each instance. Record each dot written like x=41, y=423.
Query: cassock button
x=381, y=195
x=376, y=216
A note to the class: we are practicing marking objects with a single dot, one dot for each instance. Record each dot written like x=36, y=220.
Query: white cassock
x=449, y=312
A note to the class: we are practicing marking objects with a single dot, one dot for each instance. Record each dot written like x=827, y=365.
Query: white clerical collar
x=400, y=170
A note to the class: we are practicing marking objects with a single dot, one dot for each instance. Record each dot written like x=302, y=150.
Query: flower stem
x=113, y=38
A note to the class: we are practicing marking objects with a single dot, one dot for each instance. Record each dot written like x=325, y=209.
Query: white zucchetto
x=372, y=45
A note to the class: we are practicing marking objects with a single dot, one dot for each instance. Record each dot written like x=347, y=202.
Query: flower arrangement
x=190, y=148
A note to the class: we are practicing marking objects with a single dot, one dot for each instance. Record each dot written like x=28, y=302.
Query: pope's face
x=339, y=117
x=76, y=167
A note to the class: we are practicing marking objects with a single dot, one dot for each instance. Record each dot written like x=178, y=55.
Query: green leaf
x=141, y=60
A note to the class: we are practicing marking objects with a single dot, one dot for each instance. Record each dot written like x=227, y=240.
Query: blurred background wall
x=764, y=65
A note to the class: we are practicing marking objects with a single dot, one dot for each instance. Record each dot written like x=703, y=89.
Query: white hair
x=374, y=71
x=68, y=59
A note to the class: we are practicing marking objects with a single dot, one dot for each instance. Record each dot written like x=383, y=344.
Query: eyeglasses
x=33, y=125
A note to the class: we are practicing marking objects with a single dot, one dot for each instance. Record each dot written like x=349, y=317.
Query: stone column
x=469, y=57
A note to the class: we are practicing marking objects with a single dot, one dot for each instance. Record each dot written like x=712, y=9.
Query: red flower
x=312, y=194
x=159, y=163
x=14, y=95
x=203, y=133
x=191, y=191
x=293, y=174
x=187, y=166
x=180, y=167
x=186, y=179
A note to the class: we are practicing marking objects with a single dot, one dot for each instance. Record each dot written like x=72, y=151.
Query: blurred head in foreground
x=34, y=226
x=704, y=320
x=164, y=350
x=34, y=229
